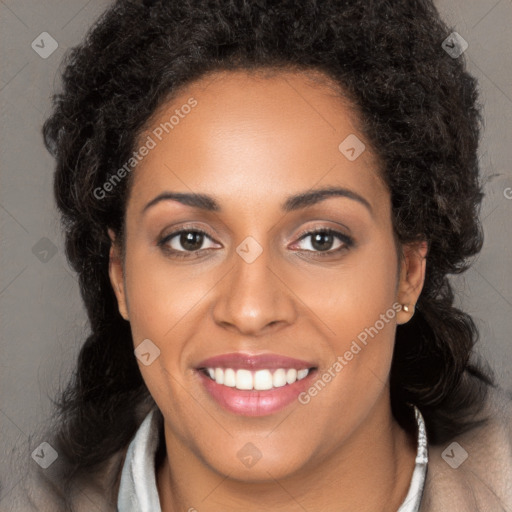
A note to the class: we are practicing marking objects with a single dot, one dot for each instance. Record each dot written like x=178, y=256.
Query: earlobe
x=412, y=277
x=116, y=274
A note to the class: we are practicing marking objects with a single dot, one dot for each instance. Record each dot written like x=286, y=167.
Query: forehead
x=252, y=135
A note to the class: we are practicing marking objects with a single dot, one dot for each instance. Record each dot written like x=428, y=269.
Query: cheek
x=161, y=303
x=159, y=296
x=352, y=295
x=355, y=307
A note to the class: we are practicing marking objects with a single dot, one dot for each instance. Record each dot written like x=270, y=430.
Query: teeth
x=259, y=380
x=301, y=374
x=244, y=379
x=291, y=375
x=229, y=377
x=279, y=378
x=262, y=380
x=219, y=375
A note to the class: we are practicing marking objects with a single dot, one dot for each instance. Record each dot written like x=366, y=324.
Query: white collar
x=138, y=491
x=412, y=501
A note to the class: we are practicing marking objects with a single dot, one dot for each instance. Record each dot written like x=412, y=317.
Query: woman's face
x=248, y=155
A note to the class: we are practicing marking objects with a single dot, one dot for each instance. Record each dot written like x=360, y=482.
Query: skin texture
x=250, y=142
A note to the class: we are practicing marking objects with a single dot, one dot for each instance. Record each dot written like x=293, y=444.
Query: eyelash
x=181, y=254
x=348, y=242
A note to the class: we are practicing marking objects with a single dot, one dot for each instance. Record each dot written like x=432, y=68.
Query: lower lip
x=255, y=403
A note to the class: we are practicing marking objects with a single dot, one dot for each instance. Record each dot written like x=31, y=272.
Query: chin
x=255, y=463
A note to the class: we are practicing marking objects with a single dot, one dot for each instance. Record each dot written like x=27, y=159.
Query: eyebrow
x=292, y=203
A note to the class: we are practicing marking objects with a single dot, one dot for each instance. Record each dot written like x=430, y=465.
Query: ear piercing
x=406, y=308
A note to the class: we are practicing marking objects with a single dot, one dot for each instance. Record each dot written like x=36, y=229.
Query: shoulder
x=42, y=490
x=56, y=488
x=473, y=472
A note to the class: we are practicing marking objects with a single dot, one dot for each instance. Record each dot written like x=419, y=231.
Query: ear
x=116, y=273
x=412, y=277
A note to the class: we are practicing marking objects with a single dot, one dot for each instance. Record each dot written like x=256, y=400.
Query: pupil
x=191, y=241
x=322, y=241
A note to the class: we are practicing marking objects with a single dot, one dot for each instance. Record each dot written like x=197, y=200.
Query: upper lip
x=254, y=361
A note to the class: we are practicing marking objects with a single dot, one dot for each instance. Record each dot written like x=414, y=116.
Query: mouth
x=254, y=385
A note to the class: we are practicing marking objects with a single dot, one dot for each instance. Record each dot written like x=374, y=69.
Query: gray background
x=42, y=323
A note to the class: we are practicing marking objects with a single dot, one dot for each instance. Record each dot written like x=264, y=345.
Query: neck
x=370, y=472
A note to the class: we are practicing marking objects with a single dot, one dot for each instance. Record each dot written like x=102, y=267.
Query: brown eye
x=191, y=240
x=184, y=241
x=322, y=240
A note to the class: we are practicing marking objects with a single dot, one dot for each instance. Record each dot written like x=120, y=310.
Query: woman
x=263, y=201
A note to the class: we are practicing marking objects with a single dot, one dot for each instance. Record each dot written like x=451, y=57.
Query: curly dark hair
x=418, y=108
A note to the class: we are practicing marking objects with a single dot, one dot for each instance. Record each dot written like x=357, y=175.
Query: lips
x=254, y=385
x=240, y=360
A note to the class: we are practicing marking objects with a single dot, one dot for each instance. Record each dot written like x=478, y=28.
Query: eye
x=322, y=240
x=183, y=241
x=189, y=242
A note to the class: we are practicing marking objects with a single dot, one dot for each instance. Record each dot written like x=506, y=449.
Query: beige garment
x=481, y=483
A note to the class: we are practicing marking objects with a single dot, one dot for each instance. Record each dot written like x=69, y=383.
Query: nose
x=254, y=297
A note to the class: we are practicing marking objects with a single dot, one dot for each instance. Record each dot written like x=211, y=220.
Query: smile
x=259, y=380
x=254, y=384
